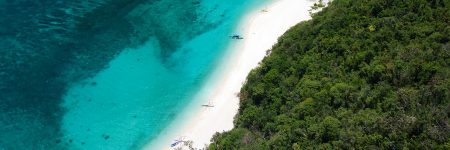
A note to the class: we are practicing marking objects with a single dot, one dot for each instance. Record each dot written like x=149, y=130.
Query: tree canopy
x=362, y=74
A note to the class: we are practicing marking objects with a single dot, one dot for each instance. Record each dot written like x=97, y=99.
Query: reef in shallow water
x=46, y=47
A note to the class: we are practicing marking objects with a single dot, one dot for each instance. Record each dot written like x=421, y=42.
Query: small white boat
x=210, y=104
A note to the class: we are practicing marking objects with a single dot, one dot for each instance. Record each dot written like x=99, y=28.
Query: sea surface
x=105, y=74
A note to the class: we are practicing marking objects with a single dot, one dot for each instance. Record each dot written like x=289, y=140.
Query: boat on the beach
x=176, y=142
x=210, y=104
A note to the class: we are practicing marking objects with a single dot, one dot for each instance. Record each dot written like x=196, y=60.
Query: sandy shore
x=260, y=29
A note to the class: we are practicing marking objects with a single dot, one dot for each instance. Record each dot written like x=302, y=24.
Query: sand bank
x=260, y=29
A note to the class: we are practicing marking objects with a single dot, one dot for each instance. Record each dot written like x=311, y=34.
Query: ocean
x=105, y=74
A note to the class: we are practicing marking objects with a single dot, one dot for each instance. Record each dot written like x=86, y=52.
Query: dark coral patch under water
x=46, y=45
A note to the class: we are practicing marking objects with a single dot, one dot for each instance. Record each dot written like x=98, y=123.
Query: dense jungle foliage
x=362, y=74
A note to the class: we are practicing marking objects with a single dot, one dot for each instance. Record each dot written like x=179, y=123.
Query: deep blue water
x=104, y=74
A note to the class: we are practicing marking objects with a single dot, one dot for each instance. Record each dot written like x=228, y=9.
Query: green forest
x=361, y=74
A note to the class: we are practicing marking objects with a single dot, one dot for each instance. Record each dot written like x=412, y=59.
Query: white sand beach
x=260, y=29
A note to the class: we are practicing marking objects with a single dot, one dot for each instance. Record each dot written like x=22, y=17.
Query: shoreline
x=261, y=29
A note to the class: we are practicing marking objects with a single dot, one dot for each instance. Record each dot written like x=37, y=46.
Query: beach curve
x=260, y=29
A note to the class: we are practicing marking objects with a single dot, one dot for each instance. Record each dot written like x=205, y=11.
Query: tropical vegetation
x=361, y=74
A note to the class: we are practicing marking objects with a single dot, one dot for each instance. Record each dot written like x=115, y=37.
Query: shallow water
x=104, y=74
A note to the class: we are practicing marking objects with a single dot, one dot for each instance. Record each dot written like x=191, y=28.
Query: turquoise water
x=105, y=74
